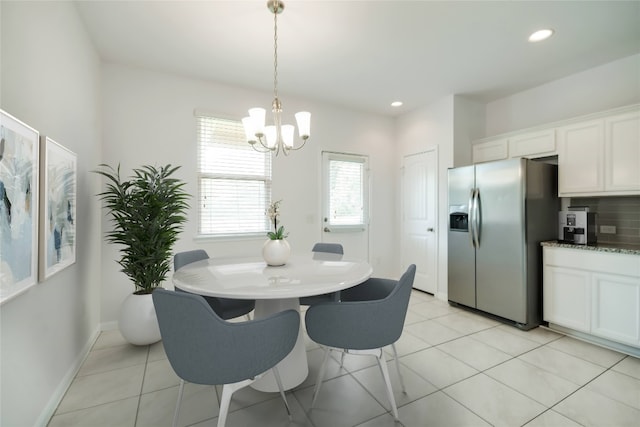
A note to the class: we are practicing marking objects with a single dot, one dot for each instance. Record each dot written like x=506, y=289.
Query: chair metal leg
x=227, y=392
x=342, y=358
x=177, y=411
x=320, y=375
x=395, y=356
x=387, y=380
x=276, y=374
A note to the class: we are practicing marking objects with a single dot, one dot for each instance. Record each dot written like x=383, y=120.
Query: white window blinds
x=234, y=180
x=346, y=191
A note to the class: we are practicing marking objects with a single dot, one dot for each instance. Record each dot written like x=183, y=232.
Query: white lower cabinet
x=567, y=300
x=616, y=307
x=597, y=293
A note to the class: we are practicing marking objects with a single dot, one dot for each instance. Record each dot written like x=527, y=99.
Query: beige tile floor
x=459, y=369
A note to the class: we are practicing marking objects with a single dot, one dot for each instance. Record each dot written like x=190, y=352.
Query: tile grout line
x=538, y=345
x=144, y=374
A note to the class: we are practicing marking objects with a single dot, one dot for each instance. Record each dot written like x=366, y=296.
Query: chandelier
x=277, y=137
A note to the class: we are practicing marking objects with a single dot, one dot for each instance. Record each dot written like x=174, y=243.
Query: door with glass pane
x=345, y=206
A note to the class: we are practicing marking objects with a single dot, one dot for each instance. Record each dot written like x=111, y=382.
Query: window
x=346, y=204
x=234, y=180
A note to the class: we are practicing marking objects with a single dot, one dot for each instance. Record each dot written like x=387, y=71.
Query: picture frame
x=58, y=190
x=19, y=183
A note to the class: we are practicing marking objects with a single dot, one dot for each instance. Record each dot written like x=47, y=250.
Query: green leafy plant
x=148, y=213
x=273, y=213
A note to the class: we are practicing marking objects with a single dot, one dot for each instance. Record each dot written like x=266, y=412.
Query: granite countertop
x=599, y=247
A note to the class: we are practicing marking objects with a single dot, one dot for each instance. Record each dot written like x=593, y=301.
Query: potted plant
x=147, y=212
x=276, y=249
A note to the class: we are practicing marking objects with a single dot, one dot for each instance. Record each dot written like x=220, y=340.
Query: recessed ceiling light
x=396, y=104
x=540, y=35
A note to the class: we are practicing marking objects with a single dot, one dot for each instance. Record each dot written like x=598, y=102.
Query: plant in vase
x=148, y=212
x=276, y=250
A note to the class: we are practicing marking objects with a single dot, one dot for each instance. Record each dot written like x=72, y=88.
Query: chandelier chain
x=275, y=53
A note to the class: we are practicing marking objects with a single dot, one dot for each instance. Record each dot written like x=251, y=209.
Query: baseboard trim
x=602, y=342
x=57, y=396
x=109, y=326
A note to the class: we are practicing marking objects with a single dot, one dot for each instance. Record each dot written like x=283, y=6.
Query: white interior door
x=345, y=205
x=419, y=218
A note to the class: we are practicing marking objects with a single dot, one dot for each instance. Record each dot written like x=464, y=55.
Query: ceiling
x=365, y=54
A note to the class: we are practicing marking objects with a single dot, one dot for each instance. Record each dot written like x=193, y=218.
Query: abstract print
x=18, y=206
x=58, y=228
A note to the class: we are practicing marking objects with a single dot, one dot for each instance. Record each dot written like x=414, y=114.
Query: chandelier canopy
x=277, y=137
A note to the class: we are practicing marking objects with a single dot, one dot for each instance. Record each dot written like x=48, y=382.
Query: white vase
x=276, y=252
x=137, y=321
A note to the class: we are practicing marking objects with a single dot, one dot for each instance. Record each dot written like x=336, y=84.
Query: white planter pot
x=137, y=320
x=276, y=252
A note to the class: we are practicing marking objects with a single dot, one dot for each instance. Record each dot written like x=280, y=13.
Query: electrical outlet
x=608, y=229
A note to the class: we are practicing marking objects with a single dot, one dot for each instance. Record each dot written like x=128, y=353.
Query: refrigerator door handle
x=471, y=211
x=476, y=218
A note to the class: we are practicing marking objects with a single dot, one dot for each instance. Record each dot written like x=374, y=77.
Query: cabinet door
x=533, y=144
x=490, y=150
x=566, y=298
x=616, y=308
x=580, y=158
x=622, y=153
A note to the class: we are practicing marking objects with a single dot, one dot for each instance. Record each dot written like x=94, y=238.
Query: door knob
x=430, y=230
x=327, y=230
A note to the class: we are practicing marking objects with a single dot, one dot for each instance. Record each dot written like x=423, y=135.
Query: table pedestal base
x=294, y=368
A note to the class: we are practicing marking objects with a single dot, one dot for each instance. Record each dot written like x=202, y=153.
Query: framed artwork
x=58, y=183
x=18, y=207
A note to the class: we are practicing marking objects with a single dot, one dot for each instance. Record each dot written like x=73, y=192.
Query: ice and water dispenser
x=458, y=218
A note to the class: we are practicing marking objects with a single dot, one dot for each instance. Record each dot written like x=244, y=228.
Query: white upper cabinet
x=533, y=144
x=528, y=144
x=580, y=158
x=600, y=157
x=622, y=152
x=497, y=149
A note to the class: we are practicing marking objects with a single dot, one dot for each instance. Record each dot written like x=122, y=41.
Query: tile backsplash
x=621, y=212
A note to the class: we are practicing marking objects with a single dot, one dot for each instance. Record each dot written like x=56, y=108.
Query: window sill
x=346, y=229
x=229, y=237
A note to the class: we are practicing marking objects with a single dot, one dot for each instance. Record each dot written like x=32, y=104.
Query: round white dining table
x=274, y=289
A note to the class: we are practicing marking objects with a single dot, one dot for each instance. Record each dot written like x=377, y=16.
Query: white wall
x=149, y=119
x=608, y=86
x=421, y=130
x=50, y=80
x=468, y=125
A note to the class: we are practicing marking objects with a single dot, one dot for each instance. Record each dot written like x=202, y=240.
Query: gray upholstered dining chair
x=202, y=348
x=374, y=288
x=226, y=308
x=362, y=327
x=328, y=248
x=327, y=251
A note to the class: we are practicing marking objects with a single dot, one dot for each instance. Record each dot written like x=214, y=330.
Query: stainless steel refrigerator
x=499, y=212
